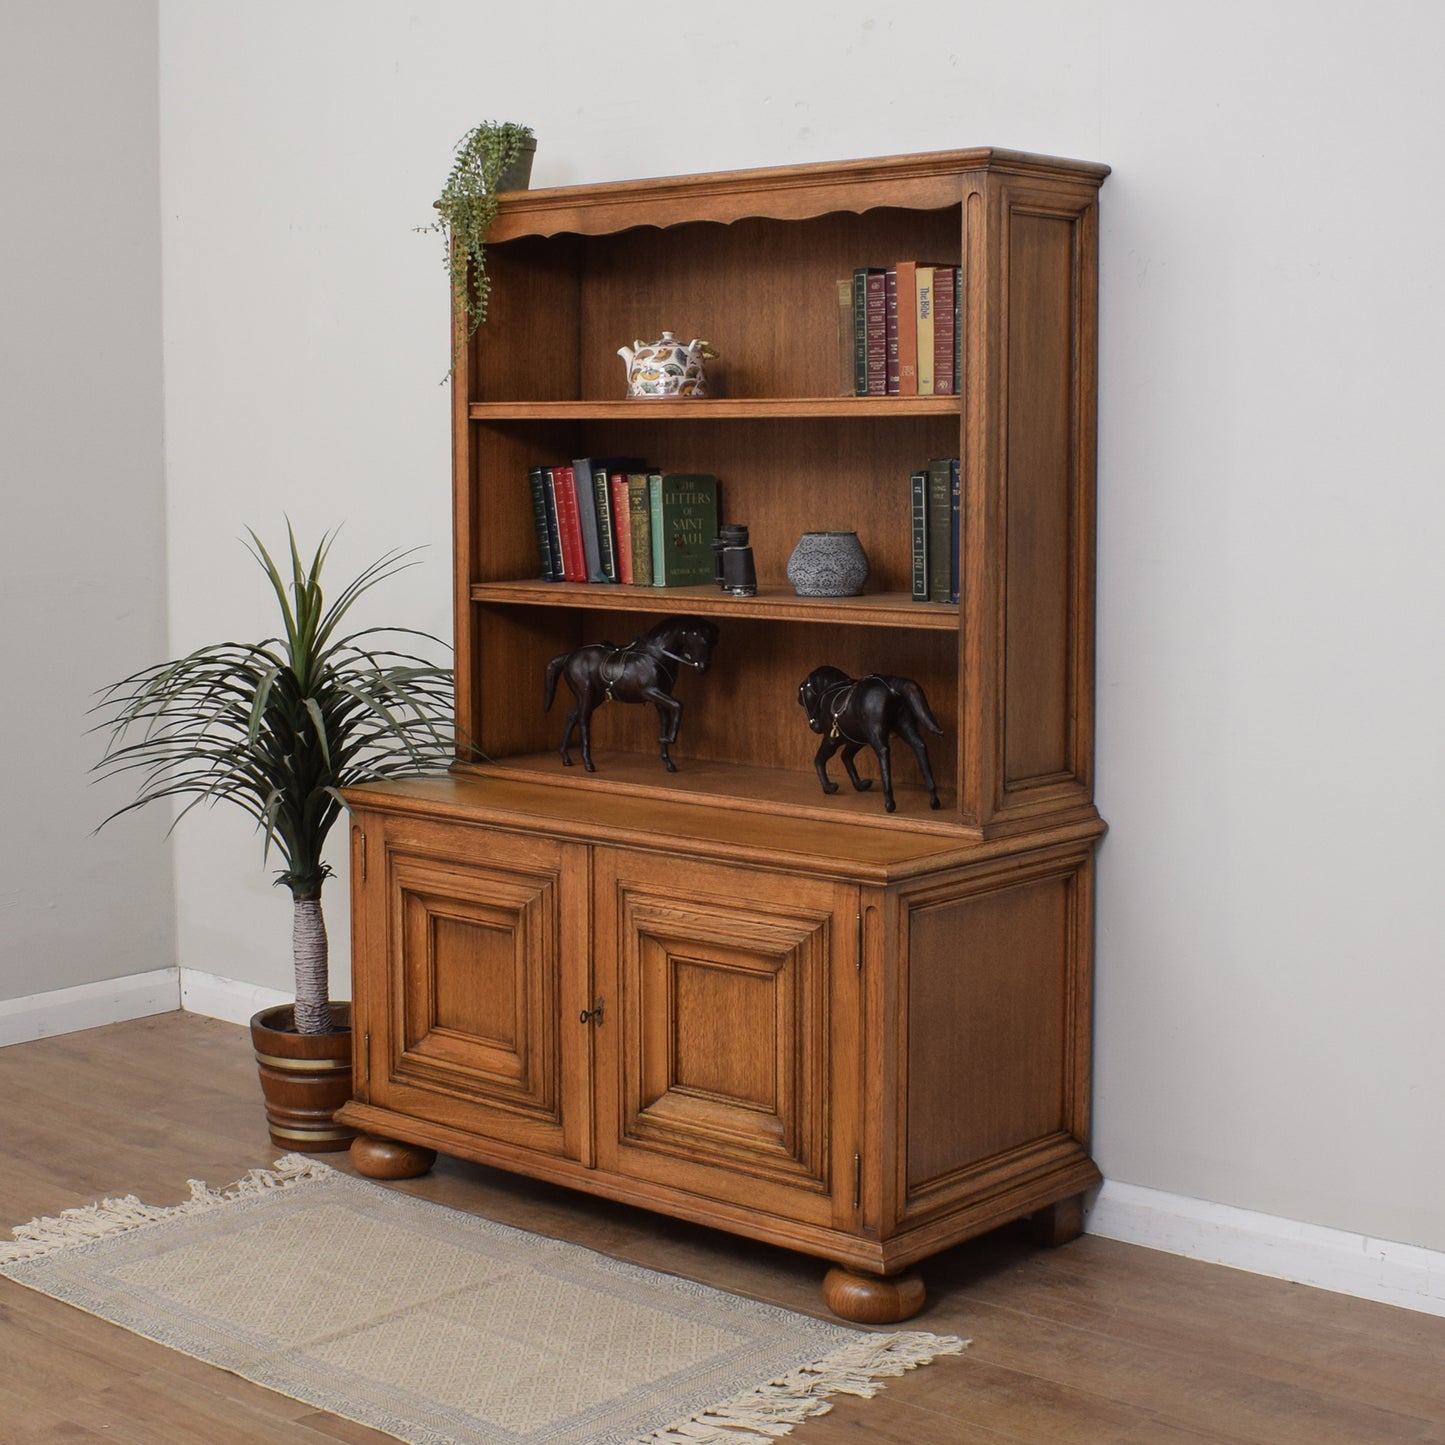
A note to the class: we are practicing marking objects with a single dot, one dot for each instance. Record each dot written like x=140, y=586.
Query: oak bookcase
x=718, y=993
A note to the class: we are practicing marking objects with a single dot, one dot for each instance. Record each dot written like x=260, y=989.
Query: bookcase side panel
x=1047, y=699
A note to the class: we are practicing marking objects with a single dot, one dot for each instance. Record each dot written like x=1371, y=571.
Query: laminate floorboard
x=1097, y=1343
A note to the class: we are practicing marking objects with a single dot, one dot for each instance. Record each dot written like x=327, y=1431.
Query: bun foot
x=873, y=1299
x=389, y=1158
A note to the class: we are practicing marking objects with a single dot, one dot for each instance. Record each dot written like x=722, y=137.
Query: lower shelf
x=764, y=790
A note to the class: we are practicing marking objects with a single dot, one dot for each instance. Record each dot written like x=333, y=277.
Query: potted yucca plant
x=279, y=728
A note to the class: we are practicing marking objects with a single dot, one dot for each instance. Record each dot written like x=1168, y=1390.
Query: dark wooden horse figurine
x=643, y=671
x=855, y=713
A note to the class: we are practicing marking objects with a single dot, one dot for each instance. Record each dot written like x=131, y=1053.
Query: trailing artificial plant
x=467, y=207
x=279, y=727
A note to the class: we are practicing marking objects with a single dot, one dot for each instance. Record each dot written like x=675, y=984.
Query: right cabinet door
x=727, y=1053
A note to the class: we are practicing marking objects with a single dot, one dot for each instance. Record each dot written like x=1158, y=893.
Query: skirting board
x=88, y=1005
x=111, y=1001
x=1310, y=1254
x=226, y=998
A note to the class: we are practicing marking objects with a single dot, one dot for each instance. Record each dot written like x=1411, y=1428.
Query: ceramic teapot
x=666, y=367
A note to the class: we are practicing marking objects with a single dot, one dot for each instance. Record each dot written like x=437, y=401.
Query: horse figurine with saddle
x=853, y=713
x=644, y=671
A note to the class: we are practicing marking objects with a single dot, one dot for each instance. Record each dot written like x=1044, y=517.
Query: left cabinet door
x=470, y=955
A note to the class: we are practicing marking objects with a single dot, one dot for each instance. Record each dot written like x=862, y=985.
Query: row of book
x=906, y=329
x=614, y=520
x=935, y=494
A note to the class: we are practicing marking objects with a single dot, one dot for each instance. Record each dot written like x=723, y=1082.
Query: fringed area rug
x=444, y=1329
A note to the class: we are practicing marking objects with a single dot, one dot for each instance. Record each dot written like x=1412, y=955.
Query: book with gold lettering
x=684, y=522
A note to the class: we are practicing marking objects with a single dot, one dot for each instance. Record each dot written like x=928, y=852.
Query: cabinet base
x=1058, y=1223
x=389, y=1158
x=872, y=1299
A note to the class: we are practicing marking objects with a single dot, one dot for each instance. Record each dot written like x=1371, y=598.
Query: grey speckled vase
x=828, y=564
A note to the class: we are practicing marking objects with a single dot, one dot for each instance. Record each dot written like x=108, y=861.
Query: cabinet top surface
x=876, y=854
x=931, y=179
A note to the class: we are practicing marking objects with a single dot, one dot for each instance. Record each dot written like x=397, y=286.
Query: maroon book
x=945, y=288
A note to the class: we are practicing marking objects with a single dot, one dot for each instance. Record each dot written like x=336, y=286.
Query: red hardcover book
x=907, y=329
x=621, y=508
x=945, y=279
x=569, y=524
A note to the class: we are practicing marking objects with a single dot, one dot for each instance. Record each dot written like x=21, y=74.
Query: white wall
x=1270, y=683
x=82, y=541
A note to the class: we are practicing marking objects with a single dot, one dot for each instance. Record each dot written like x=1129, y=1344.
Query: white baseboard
x=226, y=998
x=88, y=1005
x=1309, y=1254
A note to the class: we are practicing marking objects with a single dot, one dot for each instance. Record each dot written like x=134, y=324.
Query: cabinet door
x=726, y=1052
x=485, y=957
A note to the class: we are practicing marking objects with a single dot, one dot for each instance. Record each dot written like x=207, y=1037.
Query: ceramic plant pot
x=518, y=175
x=305, y=1079
x=828, y=564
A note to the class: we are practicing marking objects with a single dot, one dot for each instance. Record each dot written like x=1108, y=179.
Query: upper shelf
x=870, y=408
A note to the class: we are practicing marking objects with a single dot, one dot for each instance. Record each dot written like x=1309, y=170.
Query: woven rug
x=444, y=1329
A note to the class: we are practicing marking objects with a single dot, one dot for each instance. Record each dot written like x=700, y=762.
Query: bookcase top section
x=929, y=181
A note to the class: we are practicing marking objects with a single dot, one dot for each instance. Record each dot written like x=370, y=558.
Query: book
x=945, y=283
x=569, y=524
x=907, y=329
x=918, y=503
x=639, y=515
x=601, y=469
x=606, y=531
x=587, y=518
x=955, y=507
x=890, y=317
x=876, y=335
x=622, y=525
x=958, y=331
x=870, y=331
x=845, y=382
x=860, y=331
x=537, y=483
x=923, y=290
x=684, y=522
x=940, y=516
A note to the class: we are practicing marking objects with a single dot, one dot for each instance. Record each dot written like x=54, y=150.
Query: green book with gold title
x=684, y=523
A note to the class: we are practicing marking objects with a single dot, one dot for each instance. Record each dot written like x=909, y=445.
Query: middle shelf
x=879, y=609
x=869, y=408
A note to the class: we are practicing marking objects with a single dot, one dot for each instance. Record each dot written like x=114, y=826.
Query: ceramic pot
x=518, y=175
x=305, y=1079
x=828, y=564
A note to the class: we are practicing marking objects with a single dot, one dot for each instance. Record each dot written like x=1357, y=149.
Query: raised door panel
x=486, y=943
x=723, y=1067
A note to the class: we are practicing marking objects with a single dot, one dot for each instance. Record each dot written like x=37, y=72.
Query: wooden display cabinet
x=718, y=992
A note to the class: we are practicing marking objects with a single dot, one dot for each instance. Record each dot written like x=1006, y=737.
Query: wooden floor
x=1095, y=1342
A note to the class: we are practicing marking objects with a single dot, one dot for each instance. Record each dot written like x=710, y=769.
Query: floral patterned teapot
x=666, y=367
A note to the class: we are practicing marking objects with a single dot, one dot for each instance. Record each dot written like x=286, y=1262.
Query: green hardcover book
x=639, y=518
x=684, y=522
